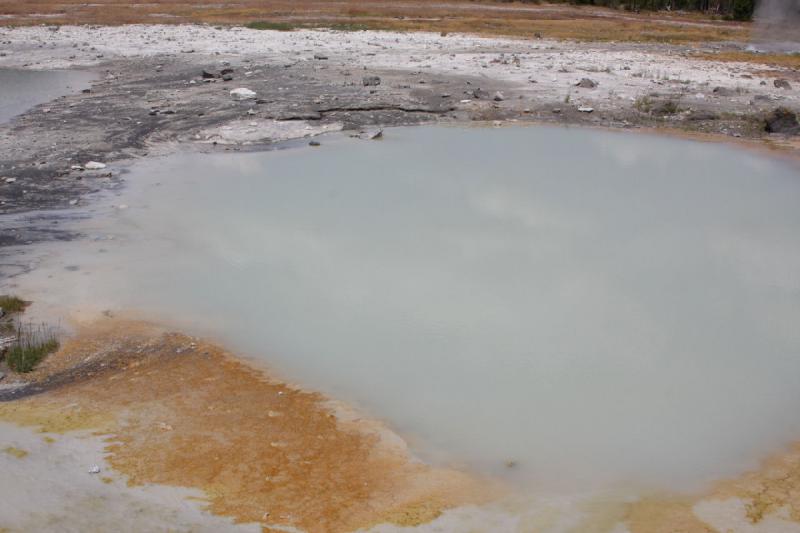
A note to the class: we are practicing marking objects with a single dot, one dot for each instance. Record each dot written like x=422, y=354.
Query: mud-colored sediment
x=183, y=412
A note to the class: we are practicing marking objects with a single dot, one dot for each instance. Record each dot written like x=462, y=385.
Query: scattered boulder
x=314, y=143
x=371, y=81
x=208, y=75
x=94, y=165
x=498, y=97
x=782, y=120
x=781, y=83
x=320, y=57
x=226, y=72
x=480, y=93
x=227, y=77
x=242, y=94
x=371, y=135
x=586, y=109
x=586, y=83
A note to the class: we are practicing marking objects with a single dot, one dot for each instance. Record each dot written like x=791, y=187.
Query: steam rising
x=777, y=26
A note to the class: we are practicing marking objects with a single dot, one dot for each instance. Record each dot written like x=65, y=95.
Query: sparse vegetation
x=643, y=104
x=670, y=107
x=12, y=304
x=33, y=343
x=269, y=25
x=562, y=22
x=646, y=104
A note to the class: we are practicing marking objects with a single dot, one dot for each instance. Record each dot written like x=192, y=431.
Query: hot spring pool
x=22, y=89
x=600, y=309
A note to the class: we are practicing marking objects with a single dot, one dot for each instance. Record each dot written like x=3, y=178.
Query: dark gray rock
x=782, y=120
x=586, y=83
x=782, y=84
x=208, y=75
x=371, y=81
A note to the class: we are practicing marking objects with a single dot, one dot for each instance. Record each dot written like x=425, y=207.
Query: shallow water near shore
x=21, y=90
x=569, y=309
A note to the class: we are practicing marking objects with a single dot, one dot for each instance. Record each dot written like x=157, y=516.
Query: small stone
x=314, y=143
x=227, y=77
x=320, y=57
x=586, y=83
x=94, y=469
x=371, y=81
x=9, y=180
x=94, y=165
x=781, y=83
x=498, y=97
x=371, y=135
x=586, y=109
x=242, y=94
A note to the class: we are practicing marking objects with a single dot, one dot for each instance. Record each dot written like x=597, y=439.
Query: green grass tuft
x=269, y=25
x=12, y=304
x=33, y=344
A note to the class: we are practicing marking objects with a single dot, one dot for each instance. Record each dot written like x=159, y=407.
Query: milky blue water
x=600, y=308
x=22, y=89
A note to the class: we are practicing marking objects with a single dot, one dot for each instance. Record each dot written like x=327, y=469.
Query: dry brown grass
x=558, y=21
x=791, y=61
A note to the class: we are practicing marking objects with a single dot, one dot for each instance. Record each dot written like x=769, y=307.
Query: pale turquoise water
x=598, y=307
x=22, y=89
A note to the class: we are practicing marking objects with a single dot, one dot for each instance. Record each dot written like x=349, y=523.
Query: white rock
x=585, y=109
x=242, y=94
x=94, y=469
x=94, y=165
